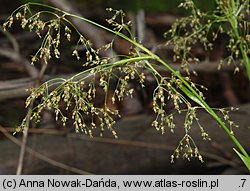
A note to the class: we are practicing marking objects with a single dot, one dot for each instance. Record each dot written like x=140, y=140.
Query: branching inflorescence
x=78, y=93
x=231, y=17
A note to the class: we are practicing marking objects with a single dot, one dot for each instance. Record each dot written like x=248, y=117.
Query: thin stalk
x=232, y=18
x=208, y=108
x=158, y=59
x=243, y=52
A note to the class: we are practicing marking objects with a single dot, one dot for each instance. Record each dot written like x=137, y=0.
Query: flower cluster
x=120, y=16
x=202, y=28
x=187, y=149
x=186, y=32
x=226, y=116
x=77, y=95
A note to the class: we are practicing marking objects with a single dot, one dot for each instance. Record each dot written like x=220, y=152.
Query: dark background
x=140, y=149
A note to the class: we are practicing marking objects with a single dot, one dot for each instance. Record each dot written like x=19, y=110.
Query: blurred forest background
x=140, y=149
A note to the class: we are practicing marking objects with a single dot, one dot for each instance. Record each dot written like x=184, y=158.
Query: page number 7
x=243, y=182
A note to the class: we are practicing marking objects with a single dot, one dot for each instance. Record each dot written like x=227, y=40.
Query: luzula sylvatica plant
x=77, y=95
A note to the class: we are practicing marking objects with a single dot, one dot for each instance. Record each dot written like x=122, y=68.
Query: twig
x=88, y=30
x=44, y=158
x=17, y=88
x=130, y=143
x=62, y=131
x=26, y=129
x=15, y=54
x=24, y=141
x=11, y=39
x=153, y=146
x=141, y=26
x=32, y=71
x=22, y=36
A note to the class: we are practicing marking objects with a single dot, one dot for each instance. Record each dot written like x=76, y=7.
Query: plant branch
x=43, y=157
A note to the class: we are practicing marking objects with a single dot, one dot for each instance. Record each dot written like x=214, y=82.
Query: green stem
x=242, y=50
x=232, y=18
x=246, y=60
x=208, y=108
x=158, y=59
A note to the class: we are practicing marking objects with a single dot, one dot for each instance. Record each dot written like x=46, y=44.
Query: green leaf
x=192, y=96
x=245, y=159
